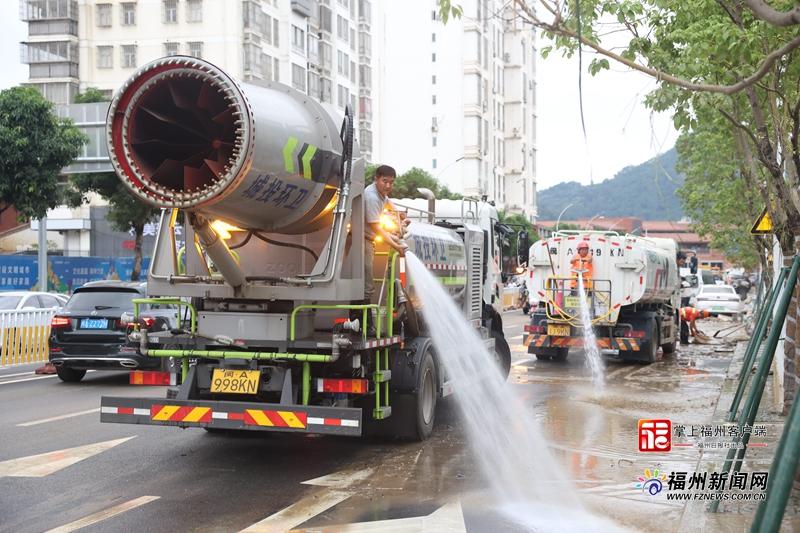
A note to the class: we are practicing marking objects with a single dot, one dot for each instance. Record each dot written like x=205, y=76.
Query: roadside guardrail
x=24, y=336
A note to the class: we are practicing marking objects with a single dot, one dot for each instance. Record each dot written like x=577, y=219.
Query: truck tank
x=628, y=269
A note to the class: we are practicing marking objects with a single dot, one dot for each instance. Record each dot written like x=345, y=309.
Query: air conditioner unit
x=507, y=57
x=515, y=131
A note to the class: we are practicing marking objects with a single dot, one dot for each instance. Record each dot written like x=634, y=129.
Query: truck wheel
x=544, y=354
x=560, y=354
x=650, y=348
x=70, y=375
x=502, y=354
x=425, y=398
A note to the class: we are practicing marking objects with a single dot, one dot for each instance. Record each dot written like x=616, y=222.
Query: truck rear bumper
x=606, y=343
x=232, y=415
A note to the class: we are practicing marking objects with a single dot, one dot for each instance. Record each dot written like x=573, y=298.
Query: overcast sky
x=619, y=129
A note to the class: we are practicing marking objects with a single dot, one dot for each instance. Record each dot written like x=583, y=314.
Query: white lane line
x=28, y=373
x=105, y=514
x=341, y=480
x=301, y=511
x=53, y=419
x=26, y=379
x=45, y=464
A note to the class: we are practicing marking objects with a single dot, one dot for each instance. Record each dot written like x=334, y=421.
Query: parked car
x=90, y=331
x=721, y=299
x=18, y=300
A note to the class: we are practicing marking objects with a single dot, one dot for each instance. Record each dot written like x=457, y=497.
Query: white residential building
x=458, y=99
x=321, y=47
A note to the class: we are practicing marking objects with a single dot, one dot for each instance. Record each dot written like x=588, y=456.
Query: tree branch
x=768, y=14
x=738, y=124
x=562, y=30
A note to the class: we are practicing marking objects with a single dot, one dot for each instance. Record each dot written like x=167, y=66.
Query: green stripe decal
x=310, y=151
x=453, y=281
x=288, y=149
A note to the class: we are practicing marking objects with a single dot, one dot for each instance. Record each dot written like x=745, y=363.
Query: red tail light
x=637, y=334
x=60, y=322
x=529, y=328
x=147, y=321
x=352, y=386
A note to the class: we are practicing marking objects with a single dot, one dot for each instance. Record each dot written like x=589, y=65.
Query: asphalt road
x=61, y=468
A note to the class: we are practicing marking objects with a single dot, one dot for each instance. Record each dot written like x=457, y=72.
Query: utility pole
x=43, y=254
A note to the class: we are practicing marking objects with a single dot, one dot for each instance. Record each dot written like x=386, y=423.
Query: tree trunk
x=137, y=252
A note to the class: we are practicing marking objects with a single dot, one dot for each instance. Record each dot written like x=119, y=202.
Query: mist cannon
x=183, y=134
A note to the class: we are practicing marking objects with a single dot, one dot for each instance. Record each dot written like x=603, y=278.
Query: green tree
x=517, y=223
x=125, y=212
x=36, y=145
x=406, y=184
x=90, y=95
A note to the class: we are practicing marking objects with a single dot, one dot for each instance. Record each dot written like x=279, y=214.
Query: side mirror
x=523, y=247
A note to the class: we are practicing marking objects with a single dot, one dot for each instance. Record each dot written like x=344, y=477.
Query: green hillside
x=646, y=191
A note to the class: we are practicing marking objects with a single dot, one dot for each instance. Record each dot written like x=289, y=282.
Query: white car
x=721, y=299
x=19, y=300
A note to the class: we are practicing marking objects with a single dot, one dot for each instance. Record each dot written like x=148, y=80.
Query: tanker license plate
x=235, y=381
x=558, y=330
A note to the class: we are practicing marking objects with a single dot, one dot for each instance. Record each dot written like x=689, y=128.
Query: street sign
x=762, y=225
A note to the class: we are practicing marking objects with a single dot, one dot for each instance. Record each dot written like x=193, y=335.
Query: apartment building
x=321, y=47
x=458, y=99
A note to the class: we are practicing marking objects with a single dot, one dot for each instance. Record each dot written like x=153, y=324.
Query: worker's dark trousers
x=684, y=324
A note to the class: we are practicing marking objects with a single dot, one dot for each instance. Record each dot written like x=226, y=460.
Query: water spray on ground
x=526, y=481
x=593, y=359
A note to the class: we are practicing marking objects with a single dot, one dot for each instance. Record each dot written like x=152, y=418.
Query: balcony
x=53, y=27
x=49, y=52
x=53, y=70
x=31, y=10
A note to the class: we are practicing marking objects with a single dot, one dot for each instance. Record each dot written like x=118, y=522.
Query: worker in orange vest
x=690, y=315
x=582, y=263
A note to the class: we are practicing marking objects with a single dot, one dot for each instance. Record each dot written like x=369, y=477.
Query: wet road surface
x=60, y=467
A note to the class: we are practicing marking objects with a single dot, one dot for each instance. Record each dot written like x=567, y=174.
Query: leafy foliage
x=646, y=191
x=518, y=223
x=90, y=95
x=406, y=184
x=125, y=212
x=36, y=145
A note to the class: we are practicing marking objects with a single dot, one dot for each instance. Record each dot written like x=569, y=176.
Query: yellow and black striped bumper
x=605, y=343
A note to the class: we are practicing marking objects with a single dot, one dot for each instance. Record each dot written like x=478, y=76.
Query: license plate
x=94, y=323
x=572, y=302
x=235, y=381
x=558, y=330
x=718, y=309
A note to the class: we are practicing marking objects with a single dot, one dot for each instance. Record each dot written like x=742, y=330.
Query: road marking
x=45, y=464
x=53, y=419
x=614, y=373
x=340, y=480
x=301, y=511
x=448, y=518
x=104, y=514
x=25, y=379
x=28, y=373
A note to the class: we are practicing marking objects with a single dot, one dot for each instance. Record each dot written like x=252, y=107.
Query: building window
x=298, y=39
x=105, y=57
x=194, y=10
x=433, y=164
x=275, y=40
x=170, y=11
x=103, y=15
x=433, y=37
x=364, y=44
x=128, y=56
x=325, y=90
x=325, y=20
x=433, y=99
x=128, y=13
x=276, y=69
x=342, y=63
x=433, y=140
x=365, y=75
x=298, y=77
x=433, y=79
x=433, y=57
x=342, y=96
x=313, y=84
x=342, y=27
x=325, y=55
x=170, y=49
x=196, y=49
x=353, y=72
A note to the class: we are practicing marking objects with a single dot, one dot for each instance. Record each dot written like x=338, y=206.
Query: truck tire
x=425, y=398
x=650, y=348
x=546, y=354
x=70, y=375
x=502, y=354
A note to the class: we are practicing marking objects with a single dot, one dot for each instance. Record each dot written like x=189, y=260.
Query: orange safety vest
x=690, y=314
x=583, y=264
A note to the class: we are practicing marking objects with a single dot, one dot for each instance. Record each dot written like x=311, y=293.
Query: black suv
x=89, y=332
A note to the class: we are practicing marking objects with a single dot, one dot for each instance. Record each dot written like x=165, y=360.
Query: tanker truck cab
x=632, y=297
x=275, y=335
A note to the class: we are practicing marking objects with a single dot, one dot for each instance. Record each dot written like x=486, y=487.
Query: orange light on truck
x=348, y=386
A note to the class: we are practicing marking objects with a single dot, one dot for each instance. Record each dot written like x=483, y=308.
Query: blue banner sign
x=64, y=274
